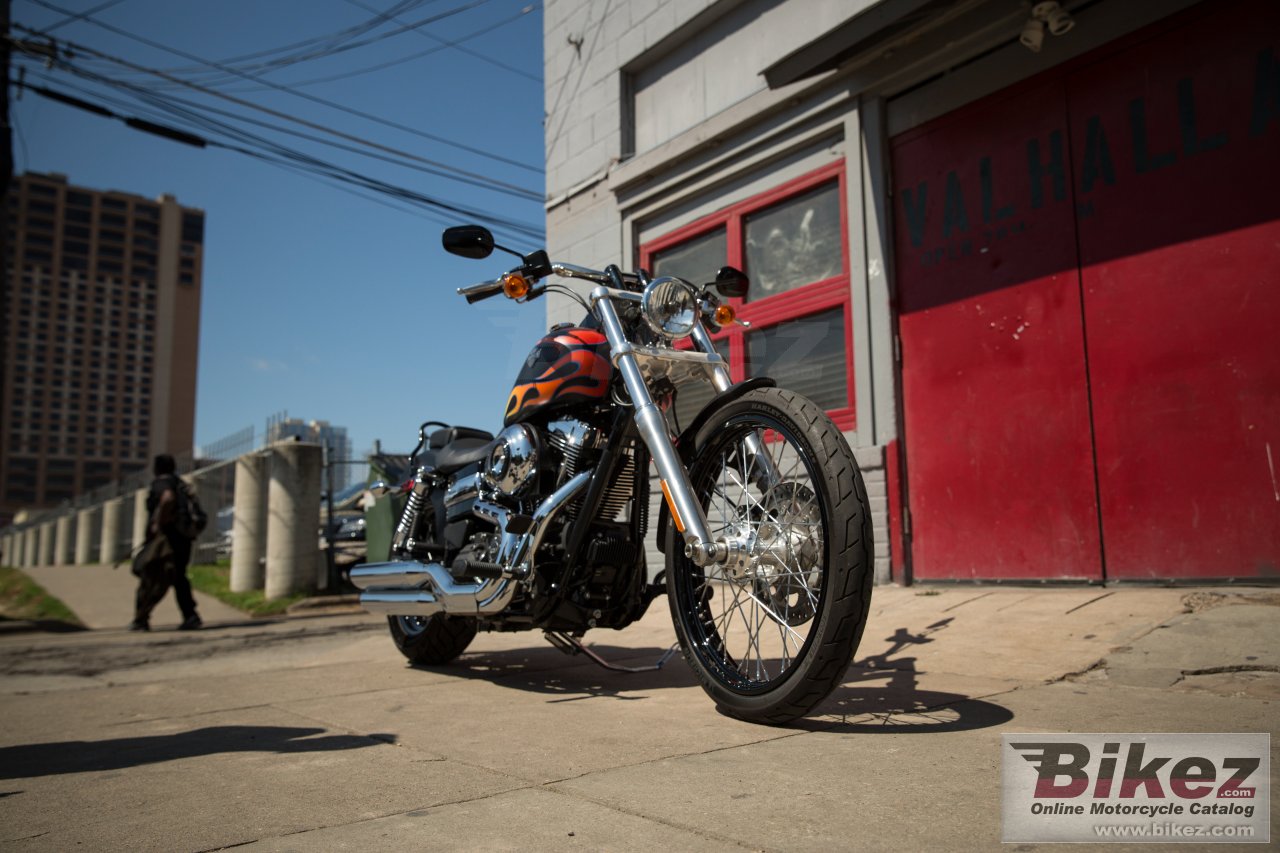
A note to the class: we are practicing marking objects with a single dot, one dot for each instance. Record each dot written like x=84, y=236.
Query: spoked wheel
x=771, y=632
x=431, y=640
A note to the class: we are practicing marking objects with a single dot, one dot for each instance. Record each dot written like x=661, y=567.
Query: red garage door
x=1089, y=288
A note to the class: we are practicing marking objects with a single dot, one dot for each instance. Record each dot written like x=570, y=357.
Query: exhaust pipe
x=400, y=602
x=410, y=588
x=409, y=573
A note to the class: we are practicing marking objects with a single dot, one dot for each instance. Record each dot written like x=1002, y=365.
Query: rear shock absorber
x=408, y=519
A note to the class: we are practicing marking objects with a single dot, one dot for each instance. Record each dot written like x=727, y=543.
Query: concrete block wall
x=585, y=43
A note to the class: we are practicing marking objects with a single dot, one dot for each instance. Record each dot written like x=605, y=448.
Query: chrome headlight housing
x=670, y=307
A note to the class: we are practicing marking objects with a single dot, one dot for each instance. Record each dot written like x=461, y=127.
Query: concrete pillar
x=6, y=548
x=293, y=518
x=140, y=517
x=205, y=484
x=64, y=539
x=44, y=555
x=111, y=542
x=249, y=523
x=28, y=548
x=88, y=533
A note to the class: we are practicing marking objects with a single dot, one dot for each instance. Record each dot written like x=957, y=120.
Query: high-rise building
x=101, y=323
x=319, y=432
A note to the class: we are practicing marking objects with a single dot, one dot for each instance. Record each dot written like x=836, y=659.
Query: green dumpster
x=381, y=518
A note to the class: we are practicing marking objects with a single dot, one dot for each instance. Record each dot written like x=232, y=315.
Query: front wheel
x=771, y=632
x=431, y=640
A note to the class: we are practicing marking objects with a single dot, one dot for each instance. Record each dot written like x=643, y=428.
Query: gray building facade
x=853, y=154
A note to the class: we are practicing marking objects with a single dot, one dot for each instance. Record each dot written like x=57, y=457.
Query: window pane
x=795, y=243
x=805, y=355
x=692, y=396
x=697, y=260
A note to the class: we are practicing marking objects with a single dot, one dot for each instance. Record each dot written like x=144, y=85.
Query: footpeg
x=464, y=568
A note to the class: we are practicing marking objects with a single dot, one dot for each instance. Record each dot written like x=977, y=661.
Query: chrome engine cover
x=513, y=463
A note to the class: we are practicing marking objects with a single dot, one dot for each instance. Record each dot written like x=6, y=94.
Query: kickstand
x=571, y=645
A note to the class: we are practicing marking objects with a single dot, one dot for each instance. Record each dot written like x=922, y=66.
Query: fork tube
x=653, y=429
x=768, y=472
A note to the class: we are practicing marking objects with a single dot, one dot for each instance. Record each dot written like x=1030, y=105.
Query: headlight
x=670, y=307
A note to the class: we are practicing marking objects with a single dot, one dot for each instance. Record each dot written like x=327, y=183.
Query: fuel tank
x=568, y=367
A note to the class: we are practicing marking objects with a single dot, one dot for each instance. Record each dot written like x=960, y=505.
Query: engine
x=525, y=456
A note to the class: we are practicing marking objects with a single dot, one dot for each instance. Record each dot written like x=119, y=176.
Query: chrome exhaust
x=413, y=588
x=410, y=588
x=409, y=573
x=400, y=602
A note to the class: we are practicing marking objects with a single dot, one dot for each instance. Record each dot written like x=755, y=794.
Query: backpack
x=191, y=517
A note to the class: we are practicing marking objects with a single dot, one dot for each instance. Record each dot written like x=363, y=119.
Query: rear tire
x=431, y=640
x=771, y=637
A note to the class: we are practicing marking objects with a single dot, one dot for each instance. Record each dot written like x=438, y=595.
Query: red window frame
x=803, y=301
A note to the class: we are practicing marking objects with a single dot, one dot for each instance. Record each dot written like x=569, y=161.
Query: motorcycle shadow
x=881, y=695
x=573, y=677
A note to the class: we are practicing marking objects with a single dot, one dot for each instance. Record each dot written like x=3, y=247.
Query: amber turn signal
x=724, y=315
x=515, y=286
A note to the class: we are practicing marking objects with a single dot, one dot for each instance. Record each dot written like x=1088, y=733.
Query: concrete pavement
x=103, y=597
x=313, y=734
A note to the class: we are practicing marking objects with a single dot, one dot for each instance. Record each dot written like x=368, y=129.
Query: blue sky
x=318, y=301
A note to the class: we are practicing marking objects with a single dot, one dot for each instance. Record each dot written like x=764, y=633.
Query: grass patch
x=215, y=579
x=24, y=599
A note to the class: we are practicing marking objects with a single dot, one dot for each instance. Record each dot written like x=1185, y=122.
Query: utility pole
x=6, y=130
x=6, y=179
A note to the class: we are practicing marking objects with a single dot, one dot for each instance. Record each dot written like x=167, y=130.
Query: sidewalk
x=313, y=735
x=103, y=597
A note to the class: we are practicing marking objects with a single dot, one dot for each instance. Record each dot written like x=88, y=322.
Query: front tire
x=431, y=640
x=770, y=634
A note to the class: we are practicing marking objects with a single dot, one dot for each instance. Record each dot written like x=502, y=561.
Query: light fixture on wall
x=1047, y=15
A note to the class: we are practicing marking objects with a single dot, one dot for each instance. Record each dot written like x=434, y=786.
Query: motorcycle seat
x=462, y=452
x=444, y=437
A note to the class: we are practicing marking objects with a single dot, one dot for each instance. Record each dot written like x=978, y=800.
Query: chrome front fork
x=767, y=475
x=686, y=513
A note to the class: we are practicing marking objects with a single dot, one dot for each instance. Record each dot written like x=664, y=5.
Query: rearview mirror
x=468, y=241
x=731, y=282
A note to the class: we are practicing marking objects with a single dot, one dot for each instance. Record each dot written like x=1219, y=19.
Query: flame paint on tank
x=567, y=367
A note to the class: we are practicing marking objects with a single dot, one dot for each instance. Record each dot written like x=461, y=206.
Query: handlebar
x=574, y=271
x=483, y=290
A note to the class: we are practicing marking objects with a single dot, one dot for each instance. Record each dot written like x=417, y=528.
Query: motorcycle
x=764, y=524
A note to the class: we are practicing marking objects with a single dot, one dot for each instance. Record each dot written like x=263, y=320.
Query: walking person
x=170, y=508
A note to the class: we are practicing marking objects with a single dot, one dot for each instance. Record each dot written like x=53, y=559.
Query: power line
x=456, y=44
x=73, y=17
x=353, y=31
x=335, y=46
x=442, y=44
x=168, y=103
x=289, y=158
x=294, y=119
x=323, y=102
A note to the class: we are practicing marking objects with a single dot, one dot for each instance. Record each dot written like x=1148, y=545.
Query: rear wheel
x=771, y=632
x=431, y=640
